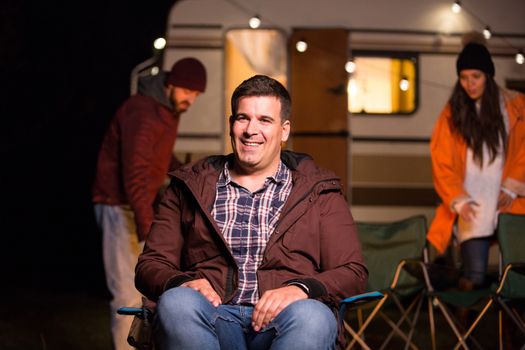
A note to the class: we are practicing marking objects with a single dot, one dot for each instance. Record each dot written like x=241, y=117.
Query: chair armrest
x=356, y=300
x=131, y=311
x=362, y=298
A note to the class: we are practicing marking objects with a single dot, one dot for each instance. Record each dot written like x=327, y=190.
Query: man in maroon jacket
x=134, y=159
x=253, y=250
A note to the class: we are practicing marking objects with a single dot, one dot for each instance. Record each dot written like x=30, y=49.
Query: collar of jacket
x=302, y=166
x=309, y=180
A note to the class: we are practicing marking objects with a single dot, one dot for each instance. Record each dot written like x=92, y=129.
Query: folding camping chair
x=140, y=332
x=509, y=294
x=392, y=251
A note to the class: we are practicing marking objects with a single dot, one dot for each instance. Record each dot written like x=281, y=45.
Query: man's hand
x=272, y=303
x=203, y=286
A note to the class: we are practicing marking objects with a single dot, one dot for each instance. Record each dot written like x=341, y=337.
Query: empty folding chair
x=389, y=249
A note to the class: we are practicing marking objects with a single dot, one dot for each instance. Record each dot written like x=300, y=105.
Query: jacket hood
x=154, y=87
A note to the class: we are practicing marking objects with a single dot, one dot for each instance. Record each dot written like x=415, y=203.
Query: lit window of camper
x=383, y=84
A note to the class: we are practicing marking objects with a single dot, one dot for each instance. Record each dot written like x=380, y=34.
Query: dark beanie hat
x=188, y=73
x=475, y=56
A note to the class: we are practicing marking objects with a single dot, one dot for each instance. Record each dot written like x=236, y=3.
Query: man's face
x=473, y=82
x=181, y=98
x=257, y=133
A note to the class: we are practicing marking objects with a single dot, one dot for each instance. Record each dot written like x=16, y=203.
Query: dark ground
x=64, y=69
x=42, y=319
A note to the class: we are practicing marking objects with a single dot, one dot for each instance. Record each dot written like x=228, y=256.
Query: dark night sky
x=65, y=68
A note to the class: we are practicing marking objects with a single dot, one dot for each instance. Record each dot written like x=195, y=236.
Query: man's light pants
x=121, y=248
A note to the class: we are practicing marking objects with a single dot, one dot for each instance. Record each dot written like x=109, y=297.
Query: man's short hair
x=262, y=85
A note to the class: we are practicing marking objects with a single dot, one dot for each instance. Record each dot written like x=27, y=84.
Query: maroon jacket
x=315, y=241
x=136, y=153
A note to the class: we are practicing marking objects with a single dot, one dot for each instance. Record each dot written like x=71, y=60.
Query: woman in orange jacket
x=478, y=161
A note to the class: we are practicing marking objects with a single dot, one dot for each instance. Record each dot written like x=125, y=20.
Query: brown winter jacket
x=136, y=154
x=315, y=241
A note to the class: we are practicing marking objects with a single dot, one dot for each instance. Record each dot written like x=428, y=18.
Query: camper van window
x=383, y=84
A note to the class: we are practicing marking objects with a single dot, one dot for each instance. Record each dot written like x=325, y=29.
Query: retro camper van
x=368, y=80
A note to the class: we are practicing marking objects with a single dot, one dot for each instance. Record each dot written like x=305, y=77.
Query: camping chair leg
x=356, y=338
x=396, y=326
x=431, y=323
x=475, y=323
x=451, y=322
x=514, y=317
x=414, y=321
x=367, y=322
x=360, y=321
x=500, y=329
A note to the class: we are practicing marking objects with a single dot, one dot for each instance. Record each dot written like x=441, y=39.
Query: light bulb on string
x=159, y=43
x=520, y=58
x=301, y=45
x=456, y=7
x=487, y=33
x=255, y=22
x=404, y=84
x=350, y=66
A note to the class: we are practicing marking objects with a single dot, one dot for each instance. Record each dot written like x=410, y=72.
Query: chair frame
x=390, y=293
x=395, y=326
x=493, y=298
x=143, y=316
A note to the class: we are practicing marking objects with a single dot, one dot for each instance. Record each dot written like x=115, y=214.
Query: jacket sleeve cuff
x=458, y=202
x=315, y=289
x=177, y=281
x=515, y=186
x=512, y=194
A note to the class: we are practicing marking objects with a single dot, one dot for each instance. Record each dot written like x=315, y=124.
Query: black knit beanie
x=475, y=56
x=188, y=73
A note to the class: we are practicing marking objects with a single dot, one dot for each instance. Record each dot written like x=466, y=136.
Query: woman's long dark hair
x=486, y=128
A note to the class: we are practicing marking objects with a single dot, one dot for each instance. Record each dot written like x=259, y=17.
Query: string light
x=487, y=33
x=159, y=43
x=520, y=58
x=255, y=22
x=404, y=84
x=456, y=7
x=301, y=46
x=350, y=66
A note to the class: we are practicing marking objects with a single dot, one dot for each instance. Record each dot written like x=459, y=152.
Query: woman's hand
x=504, y=200
x=468, y=211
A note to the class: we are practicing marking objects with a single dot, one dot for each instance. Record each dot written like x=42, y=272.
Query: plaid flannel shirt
x=247, y=220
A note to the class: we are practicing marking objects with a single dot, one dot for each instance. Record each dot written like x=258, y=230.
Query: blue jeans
x=186, y=320
x=475, y=256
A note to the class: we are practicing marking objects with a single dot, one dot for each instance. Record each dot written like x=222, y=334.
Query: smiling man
x=253, y=250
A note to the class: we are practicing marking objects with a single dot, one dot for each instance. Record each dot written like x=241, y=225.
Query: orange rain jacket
x=448, y=151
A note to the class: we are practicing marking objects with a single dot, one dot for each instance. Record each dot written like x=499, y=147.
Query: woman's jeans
x=185, y=319
x=475, y=256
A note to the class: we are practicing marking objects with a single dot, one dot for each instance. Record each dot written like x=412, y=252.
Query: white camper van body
x=385, y=151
